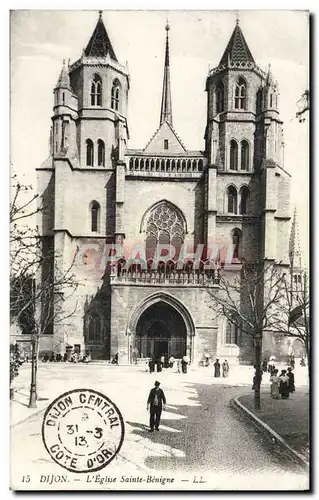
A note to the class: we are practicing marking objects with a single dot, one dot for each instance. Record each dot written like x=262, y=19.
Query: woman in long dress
x=217, y=368
x=284, y=385
x=291, y=380
x=274, y=387
x=225, y=367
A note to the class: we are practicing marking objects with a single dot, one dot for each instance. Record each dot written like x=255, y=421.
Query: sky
x=40, y=39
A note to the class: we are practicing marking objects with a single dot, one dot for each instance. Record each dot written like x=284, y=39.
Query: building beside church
x=96, y=191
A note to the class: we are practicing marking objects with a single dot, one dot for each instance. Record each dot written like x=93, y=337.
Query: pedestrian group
x=283, y=384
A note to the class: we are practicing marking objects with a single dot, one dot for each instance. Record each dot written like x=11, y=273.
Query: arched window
x=220, y=97
x=233, y=156
x=232, y=200
x=270, y=101
x=231, y=336
x=95, y=328
x=244, y=195
x=100, y=153
x=240, y=94
x=89, y=153
x=96, y=91
x=115, y=95
x=244, y=157
x=95, y=216
x=236, y=239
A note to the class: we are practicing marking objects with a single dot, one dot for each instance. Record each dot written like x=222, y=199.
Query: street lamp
x=33, y=386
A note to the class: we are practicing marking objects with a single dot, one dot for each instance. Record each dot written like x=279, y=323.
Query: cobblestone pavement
x=201, y=437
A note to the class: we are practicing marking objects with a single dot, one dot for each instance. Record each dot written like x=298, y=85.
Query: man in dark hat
x=156, y=403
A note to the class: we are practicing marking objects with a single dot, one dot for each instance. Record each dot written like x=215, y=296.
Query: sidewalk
x=289, y=418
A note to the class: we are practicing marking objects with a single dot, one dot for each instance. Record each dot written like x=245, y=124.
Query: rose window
x=165, y=219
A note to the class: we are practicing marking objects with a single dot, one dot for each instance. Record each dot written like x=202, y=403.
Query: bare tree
x=251, y=301
x=294, y=318
x=24, y=248
x=35, y=277
x=40, y=288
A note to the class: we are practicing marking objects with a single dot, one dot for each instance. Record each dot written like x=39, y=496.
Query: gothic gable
x=165, y=141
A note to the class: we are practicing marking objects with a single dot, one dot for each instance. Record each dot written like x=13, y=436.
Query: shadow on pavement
x=209, y=435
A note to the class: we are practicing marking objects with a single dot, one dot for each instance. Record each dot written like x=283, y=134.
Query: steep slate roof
x=100, y=44
x=237, y=49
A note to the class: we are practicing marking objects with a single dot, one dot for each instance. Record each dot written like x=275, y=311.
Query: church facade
x=156, y=206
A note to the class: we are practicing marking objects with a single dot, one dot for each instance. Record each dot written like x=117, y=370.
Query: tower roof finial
x=237, y=50
x=100, y=44
x=166, y=107
x=237, y=18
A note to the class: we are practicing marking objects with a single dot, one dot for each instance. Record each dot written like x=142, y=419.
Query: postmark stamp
x=83, y=430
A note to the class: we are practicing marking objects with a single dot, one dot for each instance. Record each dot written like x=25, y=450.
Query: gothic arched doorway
x=161, y=331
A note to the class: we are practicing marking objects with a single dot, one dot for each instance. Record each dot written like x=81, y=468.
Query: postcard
x=159, y=279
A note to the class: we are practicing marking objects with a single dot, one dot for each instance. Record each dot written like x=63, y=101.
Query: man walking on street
x=156, y=403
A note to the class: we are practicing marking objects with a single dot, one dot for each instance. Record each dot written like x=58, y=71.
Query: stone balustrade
x=166, y=277
x=164, y=164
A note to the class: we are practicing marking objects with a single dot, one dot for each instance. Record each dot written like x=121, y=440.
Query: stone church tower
x=97, y=192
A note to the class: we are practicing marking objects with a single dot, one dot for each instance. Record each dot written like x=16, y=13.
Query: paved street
x=200, y=435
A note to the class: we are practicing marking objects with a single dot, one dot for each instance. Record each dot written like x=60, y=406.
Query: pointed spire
x=100, y=44
x=166, y=107
x=237, y=50
x=269, y=77
x=294, y=243
x=64, y=79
